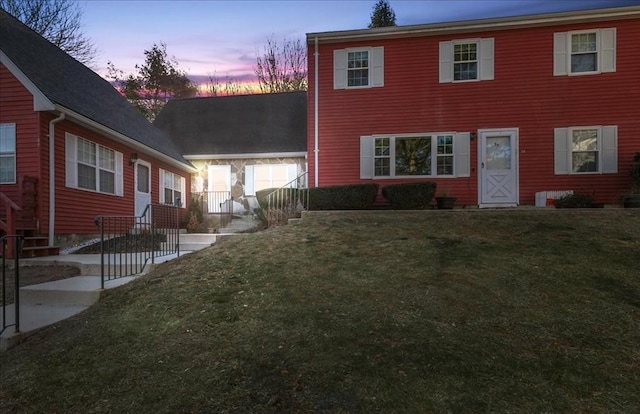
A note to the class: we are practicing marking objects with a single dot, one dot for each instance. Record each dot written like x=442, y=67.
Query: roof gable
x=74, y=88
x=237, y=124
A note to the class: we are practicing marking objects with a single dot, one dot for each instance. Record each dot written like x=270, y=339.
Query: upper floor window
x=466, y=60
x=358, y=68
x=584, y=52
x=90, y=166
x=583, y=150
x=445, y=154
x=7, y=153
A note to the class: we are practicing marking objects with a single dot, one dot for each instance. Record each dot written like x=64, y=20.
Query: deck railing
x=215, y=203
x=10, y=211
x=128, y=243
x=288, y=201
x=15, y=243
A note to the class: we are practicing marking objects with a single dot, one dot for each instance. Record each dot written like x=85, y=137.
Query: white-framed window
x=7, y=153
x=415, y=155
x=586, y=150
x=92, y=167
x=584, y=52
x=172, y=188
x=358, y=68
x=262, y=176
x=467, y=60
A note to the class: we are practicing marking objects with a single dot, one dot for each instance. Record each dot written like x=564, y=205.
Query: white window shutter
x=446, y=62
x=339, y=69
x=608, y=50
x=366, y=157
x=249, y=188
x=462, y=158
x=71, y=160
x=161, y=189
x=119, y=175
x=183, y=191
x=561, y=151
x=486, y=59
x=377, y=66
x=560, y=54
x=610, y=149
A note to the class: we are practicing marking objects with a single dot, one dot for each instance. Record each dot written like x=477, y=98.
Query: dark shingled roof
x=70, y=84
x=237, y=124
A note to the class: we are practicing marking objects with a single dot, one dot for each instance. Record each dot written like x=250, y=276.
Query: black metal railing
x=216, y=203
x=128, y=243
x=288, y=201
x=13, y=243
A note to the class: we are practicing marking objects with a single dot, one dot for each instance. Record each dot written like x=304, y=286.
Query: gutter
x=52, y=176
x=315, y=113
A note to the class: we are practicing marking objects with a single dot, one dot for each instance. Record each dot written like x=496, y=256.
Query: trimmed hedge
x=343, y=197
x=409, y=196
x=281, y=197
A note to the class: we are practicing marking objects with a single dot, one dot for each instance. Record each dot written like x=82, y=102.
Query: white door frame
x=483, y=201
x=214, y=197
x=141, y=200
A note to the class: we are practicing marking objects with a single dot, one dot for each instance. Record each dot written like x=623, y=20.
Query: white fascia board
x=40, y=101
x=301, y=154
x=117, y=136
x=500, y=23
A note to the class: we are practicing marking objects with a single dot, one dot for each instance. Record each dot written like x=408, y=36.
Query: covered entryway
x=498, y=165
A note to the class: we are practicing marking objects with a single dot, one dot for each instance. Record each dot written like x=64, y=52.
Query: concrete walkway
x=44, y=304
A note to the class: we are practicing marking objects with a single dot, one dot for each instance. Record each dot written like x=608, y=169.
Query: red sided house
x=71, y=147
x=492, y=110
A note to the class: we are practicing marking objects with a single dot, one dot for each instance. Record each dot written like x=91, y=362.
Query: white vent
x=545, y=198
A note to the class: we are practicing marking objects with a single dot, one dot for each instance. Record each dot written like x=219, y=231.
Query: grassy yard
x=522, y=311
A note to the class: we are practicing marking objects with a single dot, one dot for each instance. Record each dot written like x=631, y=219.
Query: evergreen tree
x=382, y=15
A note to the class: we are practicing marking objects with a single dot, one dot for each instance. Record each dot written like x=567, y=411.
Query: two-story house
x=492, y=110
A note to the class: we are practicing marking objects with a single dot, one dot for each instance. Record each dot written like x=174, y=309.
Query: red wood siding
x=76, y=208
x=16, y=106
x=524, y=95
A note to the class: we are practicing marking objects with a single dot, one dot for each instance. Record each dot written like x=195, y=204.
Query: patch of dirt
x=33, y=275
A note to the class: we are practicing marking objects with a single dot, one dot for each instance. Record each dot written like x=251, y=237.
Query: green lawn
x=523, y=311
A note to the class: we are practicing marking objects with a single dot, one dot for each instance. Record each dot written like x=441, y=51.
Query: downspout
x=315, y=116
x=52, y=177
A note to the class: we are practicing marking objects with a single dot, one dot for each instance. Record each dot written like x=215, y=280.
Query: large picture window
x=93, y=167
x=424, y=155
x=7, y=153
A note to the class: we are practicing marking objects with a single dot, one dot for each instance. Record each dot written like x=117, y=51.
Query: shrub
x=409, y=196
x=575, y=200
x=343, y=197
x=261, y=196
x=194, y=217
x=281, y=197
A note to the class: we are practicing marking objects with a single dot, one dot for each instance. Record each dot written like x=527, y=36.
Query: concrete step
x=196, y=241
x=75, y=291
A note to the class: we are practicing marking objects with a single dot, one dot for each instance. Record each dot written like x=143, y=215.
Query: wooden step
x=40, y=251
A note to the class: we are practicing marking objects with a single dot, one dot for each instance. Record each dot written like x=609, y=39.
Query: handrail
x=10, y=226
x=287, y=201
x=17, y=242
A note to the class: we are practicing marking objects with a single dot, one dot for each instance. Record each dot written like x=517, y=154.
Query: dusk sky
x=223, y=38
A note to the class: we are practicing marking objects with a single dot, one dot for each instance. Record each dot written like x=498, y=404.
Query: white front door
x=498, y=162
x=143, y=186
x=219, y=187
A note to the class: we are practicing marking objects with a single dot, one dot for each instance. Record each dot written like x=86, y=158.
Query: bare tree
x=157, y=81
x=58, y=21
x=230, y=86
x=282, y=67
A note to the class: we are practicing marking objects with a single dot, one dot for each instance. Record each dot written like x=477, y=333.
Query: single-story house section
x=240, y=144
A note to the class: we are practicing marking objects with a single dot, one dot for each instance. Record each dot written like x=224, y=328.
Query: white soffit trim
x=91, y=124
x=40, y=101
x=465, y=26
x=301, y=154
